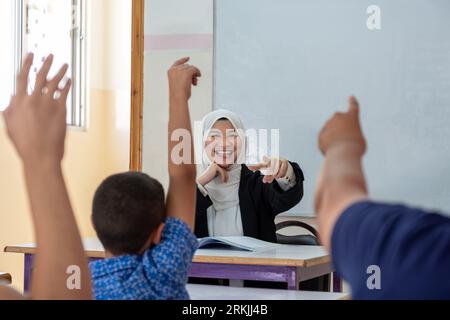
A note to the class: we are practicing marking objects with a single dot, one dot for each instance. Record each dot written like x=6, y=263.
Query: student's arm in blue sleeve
x=409, y=247
x=392, y=252
x=170, y=260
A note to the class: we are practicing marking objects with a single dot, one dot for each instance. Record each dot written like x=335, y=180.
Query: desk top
x=280, y=255
x=207, y=292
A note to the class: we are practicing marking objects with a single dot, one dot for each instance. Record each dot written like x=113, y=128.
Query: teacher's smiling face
x=223, y=144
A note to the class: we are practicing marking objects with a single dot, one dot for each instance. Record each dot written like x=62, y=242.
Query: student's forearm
x=58, y=240
x=179, y=119
x=342, y=183
x=184, y=211
x=182, y=171
x=182, y=176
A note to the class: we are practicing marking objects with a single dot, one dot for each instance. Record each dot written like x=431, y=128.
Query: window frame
x=17, y=36
x=137, y=84
x=79, y=64
x=78, y=105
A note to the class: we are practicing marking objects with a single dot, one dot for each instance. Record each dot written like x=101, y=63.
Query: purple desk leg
x=246, y=272
x=337, y=283
x=293, y=280
x=27, y=270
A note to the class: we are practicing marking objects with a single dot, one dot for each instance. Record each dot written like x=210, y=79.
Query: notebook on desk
x=234, y=243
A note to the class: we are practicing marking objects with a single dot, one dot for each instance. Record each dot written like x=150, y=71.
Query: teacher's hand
x=272, y=168
x=213, y=171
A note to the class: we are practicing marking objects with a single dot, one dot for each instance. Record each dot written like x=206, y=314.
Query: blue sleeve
x=393, y=252
x=172, y=257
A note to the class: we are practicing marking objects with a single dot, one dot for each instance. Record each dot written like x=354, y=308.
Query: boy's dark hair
x=127, y=208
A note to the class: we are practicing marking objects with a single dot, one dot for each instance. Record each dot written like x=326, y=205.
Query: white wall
x=178, y=17
x=173, y=29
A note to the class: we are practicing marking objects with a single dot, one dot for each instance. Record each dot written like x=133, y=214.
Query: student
x=232, y=200
x=405, y=251
x=36, y=125
x=149, y=245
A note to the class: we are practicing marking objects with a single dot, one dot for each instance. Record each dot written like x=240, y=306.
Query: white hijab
x=224, y=195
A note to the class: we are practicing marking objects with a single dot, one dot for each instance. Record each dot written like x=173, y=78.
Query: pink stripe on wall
x=178, y=42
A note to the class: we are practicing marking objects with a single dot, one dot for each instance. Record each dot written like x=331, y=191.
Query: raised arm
x=182, y=172
x=341, y=181
x=36, y=125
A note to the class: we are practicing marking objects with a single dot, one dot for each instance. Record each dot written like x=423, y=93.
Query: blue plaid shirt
x=161, y=273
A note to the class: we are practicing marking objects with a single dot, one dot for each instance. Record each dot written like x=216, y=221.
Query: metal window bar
x=18, y=38
x=76, y=108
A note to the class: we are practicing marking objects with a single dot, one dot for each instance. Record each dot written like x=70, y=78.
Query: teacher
x=236, y=200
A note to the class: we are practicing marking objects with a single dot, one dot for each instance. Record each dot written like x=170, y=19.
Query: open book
x=234, y=243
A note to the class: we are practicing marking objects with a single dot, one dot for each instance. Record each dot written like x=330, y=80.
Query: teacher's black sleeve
x=281, y=201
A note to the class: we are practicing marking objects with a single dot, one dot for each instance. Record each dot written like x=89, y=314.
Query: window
x=9, y=52
x=43, y=27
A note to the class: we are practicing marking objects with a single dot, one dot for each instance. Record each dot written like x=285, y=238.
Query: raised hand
x=343, y=127
x=182, y=77
x=36, y=123
x=182, y=188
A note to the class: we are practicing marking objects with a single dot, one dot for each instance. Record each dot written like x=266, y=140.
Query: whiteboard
x=290, y=64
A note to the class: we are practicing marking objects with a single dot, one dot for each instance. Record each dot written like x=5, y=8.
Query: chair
x=5, y=278
x=302, y=239
x=321, y=283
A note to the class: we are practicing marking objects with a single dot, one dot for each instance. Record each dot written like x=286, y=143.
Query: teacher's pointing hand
x=272, y=168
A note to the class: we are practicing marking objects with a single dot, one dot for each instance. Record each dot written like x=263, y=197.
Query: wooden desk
x=206, y=292
x=284, y=263
x=5, y=278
